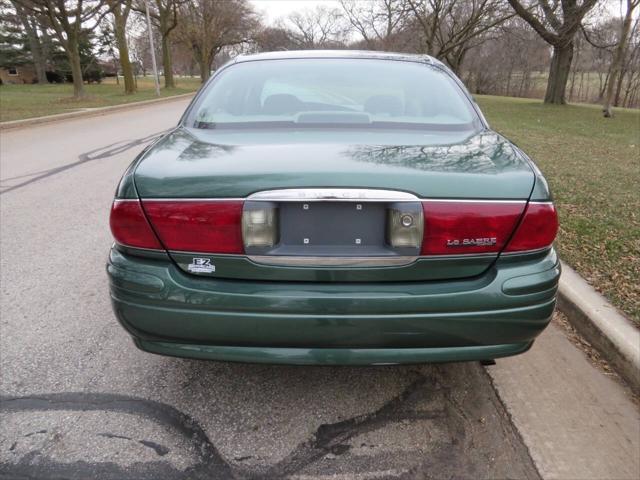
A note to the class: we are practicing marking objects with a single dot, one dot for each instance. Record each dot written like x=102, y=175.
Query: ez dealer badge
x=201, y=265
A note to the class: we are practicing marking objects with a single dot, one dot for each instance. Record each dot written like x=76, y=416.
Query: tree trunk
x=617, y=63
x=166, y=62
x=509, y=76
x=603, y=87
x=559, y=74
x=35, y=44
x=207, y=61
x=204, y=63
x=454, y=59
x=123, y=51
x=588, y=83
x=575, y=71
x=204, y=69
x=76, y=69
x=616, y=97
x=36, y=50
x=631, y=91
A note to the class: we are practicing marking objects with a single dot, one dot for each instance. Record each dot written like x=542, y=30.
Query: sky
x=274, y=9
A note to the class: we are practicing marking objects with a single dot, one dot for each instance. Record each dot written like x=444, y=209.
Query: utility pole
x=153, y=50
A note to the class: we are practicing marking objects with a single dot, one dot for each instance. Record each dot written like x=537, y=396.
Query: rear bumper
x=496, y=314
x=333, y=356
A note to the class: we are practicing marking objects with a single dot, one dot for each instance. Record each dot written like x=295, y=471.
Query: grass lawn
x=593, y=166
x=26, y=101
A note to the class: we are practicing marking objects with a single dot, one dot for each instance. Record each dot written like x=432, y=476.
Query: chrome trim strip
x=300, y=261
x=332, y=195
x=311, y=261
x=219, y=199
x=453, y=256
x=399, y=197
x=461, y=255
x=207, y=254
x=470, y=200
x=526, y=252
x=156, y=250
x=292, y=260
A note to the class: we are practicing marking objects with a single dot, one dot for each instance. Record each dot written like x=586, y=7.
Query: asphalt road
x=80, y=401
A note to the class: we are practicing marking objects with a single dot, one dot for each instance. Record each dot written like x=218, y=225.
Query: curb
x=612, y=334
x=91, y=112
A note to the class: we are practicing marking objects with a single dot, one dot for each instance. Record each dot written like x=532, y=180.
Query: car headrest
x=281, y=104
x=387, y=104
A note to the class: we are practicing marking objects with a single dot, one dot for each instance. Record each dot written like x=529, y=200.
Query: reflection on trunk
x=483, y=153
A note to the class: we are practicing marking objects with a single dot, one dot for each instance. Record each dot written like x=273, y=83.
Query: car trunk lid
x=334, y=238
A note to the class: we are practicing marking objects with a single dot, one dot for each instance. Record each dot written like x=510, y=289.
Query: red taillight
x=196, y=225
x=537, y=230
x=462, y=227
x=130, y=227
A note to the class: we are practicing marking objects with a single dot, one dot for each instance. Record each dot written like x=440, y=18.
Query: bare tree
x=557, y=23
x=120, y=9
x=140, y=53
x=630, y=71
x=274, y=38
x=378, y=21
x=514, y=52
x=67, y=19
x=164, y=14
x=320, y=27
x=618, y=56
x=450, y=28
x=31, y=28
x=207, y=26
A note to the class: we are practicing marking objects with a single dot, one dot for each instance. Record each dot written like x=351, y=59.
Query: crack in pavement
x=105, y=152
x=211, y=464
x=327, y=438
x=156, y=447
x=448, y=402
x=330, y=438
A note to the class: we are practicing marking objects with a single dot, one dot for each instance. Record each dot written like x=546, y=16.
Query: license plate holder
x=318, y=225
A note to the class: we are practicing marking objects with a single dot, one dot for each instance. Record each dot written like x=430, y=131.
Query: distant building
x=108, y=68
x=18, y=74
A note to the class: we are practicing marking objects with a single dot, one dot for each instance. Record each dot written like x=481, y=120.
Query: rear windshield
x=362, y=93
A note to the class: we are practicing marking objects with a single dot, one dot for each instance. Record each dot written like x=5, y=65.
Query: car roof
x=347, y=54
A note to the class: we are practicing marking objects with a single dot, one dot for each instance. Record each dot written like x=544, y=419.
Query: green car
x=333, y=207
